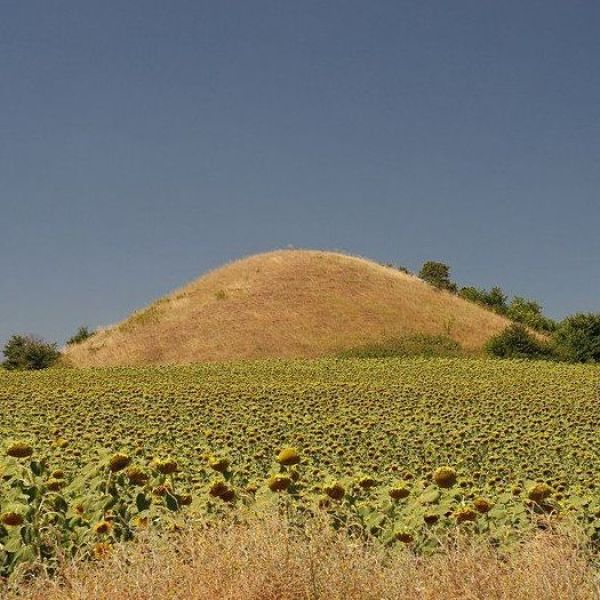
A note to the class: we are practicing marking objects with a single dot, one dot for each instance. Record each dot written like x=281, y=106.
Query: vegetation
x=82, y=334
x=578, y=338
x=517, y=342
x=530, y=313
x=272, y=559
x=414, y=345
x=519, y=309
x=408, y=452
x=495, y=298
x=437, y=274
x=29, y=353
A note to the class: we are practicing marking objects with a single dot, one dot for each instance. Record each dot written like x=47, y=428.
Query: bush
x=438, y=275
x=516, y=342
x=29, y=353
x=578, y=338
x=496, y=299
x=473, y=294
x=83, y=333
x=529, y=312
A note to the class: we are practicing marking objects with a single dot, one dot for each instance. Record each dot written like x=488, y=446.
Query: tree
x=516, y=342
x=496, y=299
x=27, y=352
x=473, y=294
x=578, y=338
x=438, y=275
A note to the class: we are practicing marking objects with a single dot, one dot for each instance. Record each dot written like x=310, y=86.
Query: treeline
x=574, y=339
x=518, y=309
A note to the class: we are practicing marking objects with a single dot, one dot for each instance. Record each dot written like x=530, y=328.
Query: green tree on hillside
x=437, y=274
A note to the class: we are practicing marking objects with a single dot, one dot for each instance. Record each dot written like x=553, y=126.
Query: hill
x=287, y=303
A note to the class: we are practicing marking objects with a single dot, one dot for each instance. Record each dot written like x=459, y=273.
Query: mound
x=287, y=303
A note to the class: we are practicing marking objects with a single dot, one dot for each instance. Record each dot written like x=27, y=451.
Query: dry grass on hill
x=265, y=562
x=288, y=303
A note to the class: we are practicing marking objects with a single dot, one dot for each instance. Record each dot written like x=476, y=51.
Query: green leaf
x=142, y=502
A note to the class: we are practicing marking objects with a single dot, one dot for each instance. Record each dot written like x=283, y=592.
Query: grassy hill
x=287, y=303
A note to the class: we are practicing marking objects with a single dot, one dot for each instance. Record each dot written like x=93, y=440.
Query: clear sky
x=144, y=142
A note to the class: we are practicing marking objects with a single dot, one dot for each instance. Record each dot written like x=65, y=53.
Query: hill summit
x=286, y=303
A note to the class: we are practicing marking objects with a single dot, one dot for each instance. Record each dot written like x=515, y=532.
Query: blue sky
x=142, y=143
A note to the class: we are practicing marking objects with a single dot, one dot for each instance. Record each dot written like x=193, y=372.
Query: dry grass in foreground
x=266, y=561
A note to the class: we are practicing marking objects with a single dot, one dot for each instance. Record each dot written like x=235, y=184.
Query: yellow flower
x=19, y=450
x=399, y=492
x=54, y=484
x=137, y=476
x=367, y=482
x=140, y=522
x=482, y=505
x=405, y=537
x=221, y=465
x=118, y=462
x=101, y=551
x=166, y=466
x=219, y=489
x=279, y=483
x=335, y=490
x=444, y=477
x=465, y=514
x=102, y=527
x=539, y=492
x=11, y=518
x=288, y=457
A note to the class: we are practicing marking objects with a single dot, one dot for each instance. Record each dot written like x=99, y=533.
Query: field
x=409, y=451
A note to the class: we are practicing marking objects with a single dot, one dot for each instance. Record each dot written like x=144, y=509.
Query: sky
x=145, y=142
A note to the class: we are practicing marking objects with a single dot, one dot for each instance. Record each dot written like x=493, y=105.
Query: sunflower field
x=408, y=450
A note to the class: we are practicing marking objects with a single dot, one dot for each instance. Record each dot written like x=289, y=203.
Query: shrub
x=529, y=312
x=29, y=353
x=83, y=333
x=473, y=294
x=496, y=299
x=578, y=338
x=516, y=342
x=437, y=274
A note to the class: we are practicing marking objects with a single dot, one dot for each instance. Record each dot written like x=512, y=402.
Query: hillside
x=287, y=303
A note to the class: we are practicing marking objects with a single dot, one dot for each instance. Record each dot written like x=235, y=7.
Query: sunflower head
x=288, y=457
x=335, y=490
x=102, y=527
x=482, y=505
x=118, y=462
x=19, y=450
x=398, y=492
x=444, y=477
x=279, y=483
x=539, y=492
x=13, y=519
